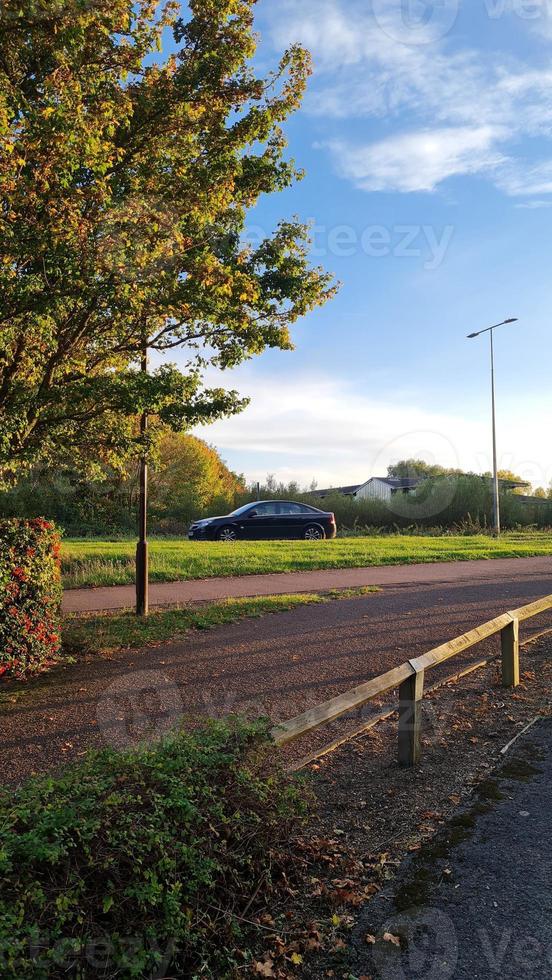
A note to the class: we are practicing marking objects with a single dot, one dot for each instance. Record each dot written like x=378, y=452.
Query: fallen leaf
x=265, y=969
x=388, y=937
x=296, y=958
x=372, y=889
x=370, y=938
x=350, y=897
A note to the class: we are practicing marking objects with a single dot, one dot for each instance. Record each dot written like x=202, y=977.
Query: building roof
x=395, y=482
x=528, y=499
x=511, y=484
x=400, y=482
x=348, y=491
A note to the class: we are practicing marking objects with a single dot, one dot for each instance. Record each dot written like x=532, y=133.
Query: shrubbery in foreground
x=30, y=596
x=145, y=863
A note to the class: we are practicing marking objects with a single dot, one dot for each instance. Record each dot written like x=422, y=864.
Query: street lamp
x=496, y=498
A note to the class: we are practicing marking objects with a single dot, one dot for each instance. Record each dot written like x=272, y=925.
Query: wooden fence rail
x=409, y=678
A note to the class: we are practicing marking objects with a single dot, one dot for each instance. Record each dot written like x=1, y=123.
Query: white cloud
x=519, y=178
x=362, y=69
x=309, y=427
x=490, y=98
x=341, y=33
x=419, y=161
x=324, y=29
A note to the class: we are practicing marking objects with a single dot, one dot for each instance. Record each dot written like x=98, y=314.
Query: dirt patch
x=372, y=814
x=363, y=792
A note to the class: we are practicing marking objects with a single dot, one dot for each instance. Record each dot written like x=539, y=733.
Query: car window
x=291, y=509
x=240, y=510
x=265, y=510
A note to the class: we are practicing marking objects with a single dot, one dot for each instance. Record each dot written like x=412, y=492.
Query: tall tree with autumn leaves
x=125, y=181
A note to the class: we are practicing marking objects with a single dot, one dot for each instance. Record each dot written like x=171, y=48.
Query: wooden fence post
x=410, y=718
x=509, y=638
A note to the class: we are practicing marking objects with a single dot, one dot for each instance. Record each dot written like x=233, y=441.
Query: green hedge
x=30, y=596
x=147, y=863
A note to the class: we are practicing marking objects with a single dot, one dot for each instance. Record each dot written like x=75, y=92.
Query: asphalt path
x=278, y=666
x=211, y=589
x=489, y=909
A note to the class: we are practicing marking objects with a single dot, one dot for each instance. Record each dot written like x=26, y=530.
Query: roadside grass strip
x=108, y=633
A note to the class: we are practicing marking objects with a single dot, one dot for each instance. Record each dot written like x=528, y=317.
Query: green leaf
x=107, y=903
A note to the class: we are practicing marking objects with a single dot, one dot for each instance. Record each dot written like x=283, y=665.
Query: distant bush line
x=456, y=504
x=460, y=504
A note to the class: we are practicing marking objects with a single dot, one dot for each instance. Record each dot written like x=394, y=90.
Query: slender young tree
x=126, y=176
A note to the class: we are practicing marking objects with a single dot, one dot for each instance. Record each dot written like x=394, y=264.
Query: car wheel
x=227, y=534
x=314, y=533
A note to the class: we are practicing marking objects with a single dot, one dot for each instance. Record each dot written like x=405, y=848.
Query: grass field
x=88, y=562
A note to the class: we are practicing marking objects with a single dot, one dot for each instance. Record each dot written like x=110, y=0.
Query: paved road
x=165, y=593
x=489, y=912
x=278, y=665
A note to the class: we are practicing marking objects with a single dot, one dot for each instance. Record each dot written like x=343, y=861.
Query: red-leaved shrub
x=30, y=596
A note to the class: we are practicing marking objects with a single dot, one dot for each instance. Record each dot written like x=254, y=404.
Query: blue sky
x=426, y=137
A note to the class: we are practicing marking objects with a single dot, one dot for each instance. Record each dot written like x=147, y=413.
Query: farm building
x=377, y=487
x=385, y=487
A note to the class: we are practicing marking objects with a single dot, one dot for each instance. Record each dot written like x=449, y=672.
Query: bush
x=460, y=504
x=30, y=596
x=145, y=863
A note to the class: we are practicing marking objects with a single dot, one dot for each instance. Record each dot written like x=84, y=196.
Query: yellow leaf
x=296, y=958
x=48, y=111
x=335, y=920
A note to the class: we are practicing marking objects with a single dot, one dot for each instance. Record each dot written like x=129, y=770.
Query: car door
x=291, y=520
x=260, y=522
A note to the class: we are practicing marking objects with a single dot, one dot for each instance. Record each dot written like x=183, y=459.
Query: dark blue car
x=267, y=519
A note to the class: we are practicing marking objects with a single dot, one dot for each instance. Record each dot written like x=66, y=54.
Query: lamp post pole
x=142, y=571
x=496, y=494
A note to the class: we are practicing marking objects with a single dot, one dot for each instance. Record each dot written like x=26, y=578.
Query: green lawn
x=88, y=562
